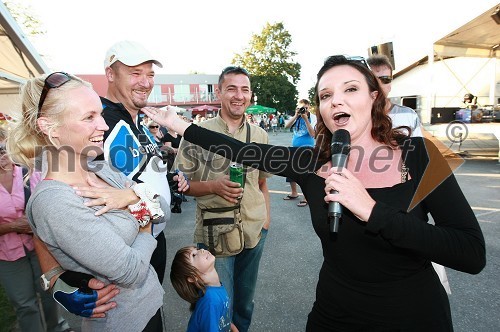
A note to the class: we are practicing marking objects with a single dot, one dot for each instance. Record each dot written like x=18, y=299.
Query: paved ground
x=292, y=256
x=476, y=140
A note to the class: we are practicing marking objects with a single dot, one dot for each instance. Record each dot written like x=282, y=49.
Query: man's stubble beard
x=139, y=103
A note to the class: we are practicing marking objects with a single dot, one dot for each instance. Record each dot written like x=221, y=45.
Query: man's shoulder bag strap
x=216, y=222
x=26, y=187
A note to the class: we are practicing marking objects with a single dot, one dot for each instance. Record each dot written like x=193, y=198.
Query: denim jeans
x=20, y=279
x=238, y=274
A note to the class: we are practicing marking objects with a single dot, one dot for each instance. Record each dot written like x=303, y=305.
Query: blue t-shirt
x=211, y=313
x=301, y=136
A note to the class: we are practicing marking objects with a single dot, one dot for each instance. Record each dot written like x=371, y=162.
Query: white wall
x=448, y=82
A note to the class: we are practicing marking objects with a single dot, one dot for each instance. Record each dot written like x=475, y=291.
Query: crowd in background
x=272, y=123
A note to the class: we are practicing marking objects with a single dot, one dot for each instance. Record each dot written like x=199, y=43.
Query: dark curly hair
x=382, y=130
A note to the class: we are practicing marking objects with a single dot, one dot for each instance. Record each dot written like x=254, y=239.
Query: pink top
x=11, y=208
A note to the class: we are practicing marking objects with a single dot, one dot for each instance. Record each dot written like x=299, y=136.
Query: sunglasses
x=385, y=79
x=154, y=127
x=54, y=80
x=340, y=59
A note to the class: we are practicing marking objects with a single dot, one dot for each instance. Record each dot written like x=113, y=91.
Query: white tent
x=479, y=37
x=465, y=60
x=18, y=59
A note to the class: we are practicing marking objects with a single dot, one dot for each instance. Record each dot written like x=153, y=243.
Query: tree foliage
x=312, y=94
x=274, y=73
x=274, y=91
x=24, y=16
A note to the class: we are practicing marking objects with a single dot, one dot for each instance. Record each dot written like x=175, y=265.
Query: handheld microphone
x=340, y=147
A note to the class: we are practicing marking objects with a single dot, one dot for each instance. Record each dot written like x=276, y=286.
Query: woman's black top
x=377, y=275
x=167, y=137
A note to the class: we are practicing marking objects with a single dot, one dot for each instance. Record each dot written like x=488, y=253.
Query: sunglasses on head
x=54, y=80
x=340, y=59
x=385, y=79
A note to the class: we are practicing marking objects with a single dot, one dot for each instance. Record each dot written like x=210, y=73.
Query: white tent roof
x=18, y=58
x=455, y=66
x=479, y=37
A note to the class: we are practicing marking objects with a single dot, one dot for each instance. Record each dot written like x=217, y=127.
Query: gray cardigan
x=107, y=246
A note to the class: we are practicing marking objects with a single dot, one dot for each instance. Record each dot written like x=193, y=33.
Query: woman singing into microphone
x=377, y=273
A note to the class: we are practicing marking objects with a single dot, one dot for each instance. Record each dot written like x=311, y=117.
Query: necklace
x=404, y=172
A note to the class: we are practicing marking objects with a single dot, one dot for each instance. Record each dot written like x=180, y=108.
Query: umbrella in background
x=178, y=110
x=205, y=108
x=259, y=109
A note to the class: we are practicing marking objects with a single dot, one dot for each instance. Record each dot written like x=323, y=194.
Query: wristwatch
x=45, y=278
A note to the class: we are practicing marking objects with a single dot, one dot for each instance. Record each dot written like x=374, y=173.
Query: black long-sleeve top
x=378, y=273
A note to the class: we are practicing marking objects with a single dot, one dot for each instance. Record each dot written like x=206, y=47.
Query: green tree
x=271, y=63
x=312, y=94
x=274, y=91
x=24, y=16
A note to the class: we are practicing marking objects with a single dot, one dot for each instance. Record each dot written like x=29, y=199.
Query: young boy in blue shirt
x=195, y=279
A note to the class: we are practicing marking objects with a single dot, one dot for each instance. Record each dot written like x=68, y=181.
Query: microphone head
x=341, y=142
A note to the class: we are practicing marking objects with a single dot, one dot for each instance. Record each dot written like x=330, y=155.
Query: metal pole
x=426, y=116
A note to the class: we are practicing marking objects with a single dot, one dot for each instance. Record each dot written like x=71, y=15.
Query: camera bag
x=223, y=226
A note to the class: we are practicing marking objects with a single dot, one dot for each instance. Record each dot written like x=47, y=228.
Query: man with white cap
x=130, y=148
x=130, y=74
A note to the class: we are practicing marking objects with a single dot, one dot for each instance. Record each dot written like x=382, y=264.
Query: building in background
x=436, y=90
x=464, y=61
x=193, y=92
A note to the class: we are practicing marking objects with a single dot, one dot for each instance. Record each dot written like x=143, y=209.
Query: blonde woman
x=19, y=265
x=62, y=114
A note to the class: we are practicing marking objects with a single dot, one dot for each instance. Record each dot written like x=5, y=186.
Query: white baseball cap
x=129, y=53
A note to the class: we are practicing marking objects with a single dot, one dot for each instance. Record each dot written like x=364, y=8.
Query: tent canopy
x=177, y=109
x=479, y=37
x=259, y=109
x=18, y=58
x=18, y=61
x=205, y=108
